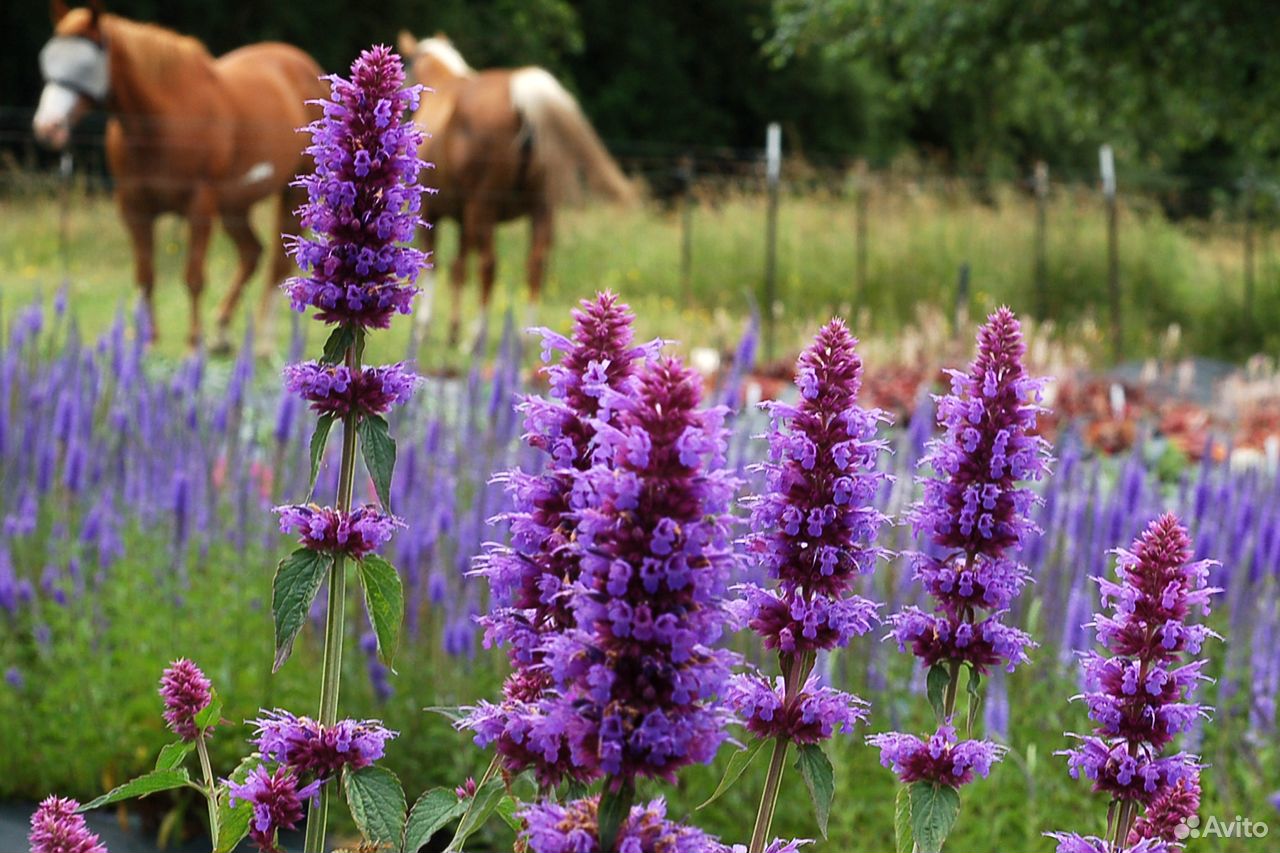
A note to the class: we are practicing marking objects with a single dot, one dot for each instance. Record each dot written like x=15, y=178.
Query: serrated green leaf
x=319, y=438
x=297, y=582
x=614, y=808
x=210, y=715
x=233, y=823
x=335, y=348
x=379, y=450
x=482, y=808
x=377, y=804
x=975, y=697
x=150, y=783
x=453, y=713
x=507, y=811
x=431, y=813
x=173, y=754
x=573, y=790
x=384, y=601
x=902, y=821
x=936, y=687
x=740, y=761
x=933, y=812
x=820, y=779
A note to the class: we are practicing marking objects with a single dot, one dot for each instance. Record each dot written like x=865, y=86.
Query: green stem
x=794, y=676
x=335, y=619
x=488, y=774
x=953, y=691
x=210, y=789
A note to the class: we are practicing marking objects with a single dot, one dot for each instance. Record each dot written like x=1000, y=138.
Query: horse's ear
x=408, y=45
x=95, y=12
x=58, y=10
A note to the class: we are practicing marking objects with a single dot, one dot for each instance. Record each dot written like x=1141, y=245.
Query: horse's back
x=270, y=84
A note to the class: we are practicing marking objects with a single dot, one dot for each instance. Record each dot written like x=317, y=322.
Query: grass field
x=1185, y=275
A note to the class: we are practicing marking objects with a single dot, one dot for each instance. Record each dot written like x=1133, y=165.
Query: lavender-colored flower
x=363, y=199
x=333, y=390
x=942, y=758
x=331, y=531
x=14, y=678
x=276, y=800
x=57, y=828
x=1069, y=842
x=307, y=747
x=572, y=828
x=812, y=715
x=1141, y=696
x=186, y=692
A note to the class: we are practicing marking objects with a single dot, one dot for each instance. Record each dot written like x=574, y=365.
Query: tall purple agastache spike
x=531, y=580
x=814, y=530
x=57, y=827
x=1142, y=695
x=363, y=207
x=975, y=514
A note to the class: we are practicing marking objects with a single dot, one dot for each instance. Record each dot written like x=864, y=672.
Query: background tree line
x=1188, y=88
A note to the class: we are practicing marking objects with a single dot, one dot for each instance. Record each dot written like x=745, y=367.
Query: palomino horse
x=506, y=143
x=188, y=134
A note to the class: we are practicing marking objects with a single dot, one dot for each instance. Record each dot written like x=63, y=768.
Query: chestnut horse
x=188, y=134
x=506, y=143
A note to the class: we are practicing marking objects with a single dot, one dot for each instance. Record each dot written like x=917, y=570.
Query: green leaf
x=740, y=761
x=297, y=582
x=902, y=820
x=975, y=697
x=573, y=790
x=939, y=678
x=933, y=812
x=233, y=823
x=210, y=715
x=150, y=783
x=384, y=601
x=507, y=811
x=379, y=450
x=614, y=808
x=335, y=349
x=482, y=808
x=430, y=814
x=377, y=804
x=318, y=440
x=453, y=713
x=820, y=780
x=174, y=754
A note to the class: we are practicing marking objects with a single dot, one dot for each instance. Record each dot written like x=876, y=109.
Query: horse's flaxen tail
x=564, y=143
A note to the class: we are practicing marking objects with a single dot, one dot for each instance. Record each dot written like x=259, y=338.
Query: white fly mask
x=78, y=64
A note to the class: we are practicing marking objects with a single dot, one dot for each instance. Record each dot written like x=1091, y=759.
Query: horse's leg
x=481, y=225
x=458, y=279
x=427, y=281
x=141, y=224
x=286, y=223
x=248, y=247
x=200, y=214
x=540, y=236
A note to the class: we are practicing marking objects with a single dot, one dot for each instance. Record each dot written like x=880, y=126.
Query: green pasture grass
x=1186, y=276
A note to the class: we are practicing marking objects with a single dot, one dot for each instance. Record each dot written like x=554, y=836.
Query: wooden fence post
x=1247, y=200
x=685, y=171
x=773, y=173
x=1040, y=184
x=1107, y=166
x=860, y=231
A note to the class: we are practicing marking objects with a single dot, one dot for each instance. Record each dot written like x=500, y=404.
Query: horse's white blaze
x=56, y=104
x=442, y=49
x=258, y=172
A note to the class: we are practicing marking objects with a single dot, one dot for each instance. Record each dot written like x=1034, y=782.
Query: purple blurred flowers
x=363, y=199
x=325, y=529
x=57, y=828
x=308, y=748
x=186, y=692
x=1142, y=695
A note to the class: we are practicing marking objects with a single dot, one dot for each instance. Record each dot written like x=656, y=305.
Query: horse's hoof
x=221, y=347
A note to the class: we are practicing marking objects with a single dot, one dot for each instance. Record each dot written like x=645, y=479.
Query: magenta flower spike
x=277, y=801
x=57, y=827
x=186, y=692
x=1142, y=694
x=310, y=749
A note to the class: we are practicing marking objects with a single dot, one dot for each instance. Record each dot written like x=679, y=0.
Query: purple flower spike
x=186, y=692
x=324, y=529
x=57, y=828
x=333, y=390
x=813, y=715
x=1142, y=695
x=277, y=803
x=571, y=828
x=307, y=747
x=1069, y=842
x=942, y=758
x=363, y=199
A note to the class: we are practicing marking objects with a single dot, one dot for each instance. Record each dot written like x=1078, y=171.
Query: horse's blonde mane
x=442, y=49
x=155, y=50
